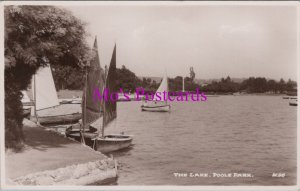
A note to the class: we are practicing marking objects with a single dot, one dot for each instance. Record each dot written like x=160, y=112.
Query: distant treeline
x=252, y=85
x=73, y=78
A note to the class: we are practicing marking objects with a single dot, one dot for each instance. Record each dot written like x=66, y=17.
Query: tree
x=68, y=77
x=177, y=84
x=271, y=86
x=127, y=80
x=281, y=85
x=291, y=86
x=35, y=36
x=145, y=82
x=192, y=74
x=228, y=79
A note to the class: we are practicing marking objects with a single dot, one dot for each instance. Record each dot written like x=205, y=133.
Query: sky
x=217, y=41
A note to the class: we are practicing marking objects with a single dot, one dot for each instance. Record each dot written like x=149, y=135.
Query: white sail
x=162, y=87
x=44, y=88
x=25, y=98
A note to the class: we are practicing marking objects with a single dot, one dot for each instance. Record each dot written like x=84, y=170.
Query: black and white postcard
x=149, y=95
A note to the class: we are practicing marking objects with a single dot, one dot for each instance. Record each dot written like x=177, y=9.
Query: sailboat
x=97, y=115
x=293, y=102
x=45, y=97
x=27, y=104
x=156, y=105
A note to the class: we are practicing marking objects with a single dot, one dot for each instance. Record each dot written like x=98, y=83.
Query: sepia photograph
x=118, y=94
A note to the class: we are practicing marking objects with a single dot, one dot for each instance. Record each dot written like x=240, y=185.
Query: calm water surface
x=226, y=134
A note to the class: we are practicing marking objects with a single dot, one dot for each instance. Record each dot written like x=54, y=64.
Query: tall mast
x=103, y=105
x=84, y=109
x=167, y=85
x=34, y=94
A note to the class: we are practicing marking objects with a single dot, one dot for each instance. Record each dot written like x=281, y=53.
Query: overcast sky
x=239, y=41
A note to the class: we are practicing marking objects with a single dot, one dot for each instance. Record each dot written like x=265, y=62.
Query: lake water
x=226, y=134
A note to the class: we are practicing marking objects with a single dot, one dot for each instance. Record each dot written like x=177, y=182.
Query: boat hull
x=26, y=112
x=57, y=119
x=76, y=102
x=70, y=101
x=156, y=108
x=106, y=144
x=293, y=102
x=110, y=143
x=65, y=102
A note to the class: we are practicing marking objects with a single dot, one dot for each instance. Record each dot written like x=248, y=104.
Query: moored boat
x=293, y=102
x=45, y=98
x=106, y=144
x=289, y=97
x=112, y=142
x=57, y=119
x=97, y=115
x=65, y=101
x=75, y=100
x=26, y=112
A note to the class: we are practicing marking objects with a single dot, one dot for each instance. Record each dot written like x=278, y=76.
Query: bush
x=36, y=36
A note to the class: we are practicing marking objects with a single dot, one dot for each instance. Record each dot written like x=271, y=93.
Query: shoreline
x=96, y=172
x=50, y=158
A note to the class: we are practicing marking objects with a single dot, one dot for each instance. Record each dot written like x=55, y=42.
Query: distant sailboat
x=27, y=104
x=157, y=105
x=293, y=102
x=45, y=97
x=97, y=115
